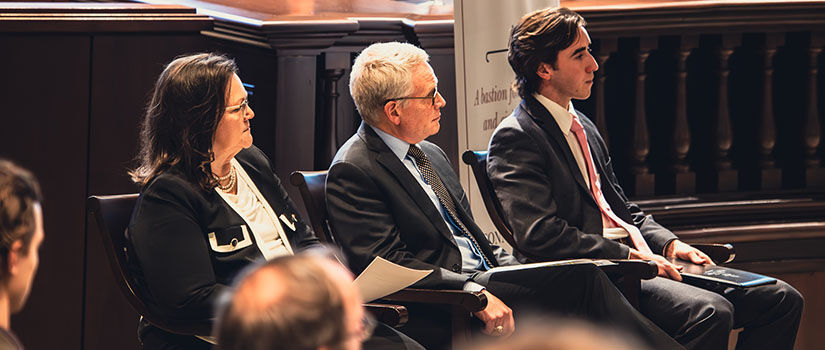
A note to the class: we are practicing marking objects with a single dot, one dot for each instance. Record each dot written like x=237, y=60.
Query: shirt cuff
x=667, y=244
x=471, y=286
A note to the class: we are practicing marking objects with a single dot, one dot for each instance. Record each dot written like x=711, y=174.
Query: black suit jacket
x=178, y=265
x=548, y=204
x=377, y=208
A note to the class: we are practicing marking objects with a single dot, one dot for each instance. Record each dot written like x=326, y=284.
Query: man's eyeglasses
x=240, y=107
x=432, y=97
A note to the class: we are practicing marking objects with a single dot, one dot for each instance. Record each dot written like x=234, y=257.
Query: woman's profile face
x=233, y=132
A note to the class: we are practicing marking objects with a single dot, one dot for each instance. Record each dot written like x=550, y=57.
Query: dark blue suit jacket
x=547, y=202
x=377, y=208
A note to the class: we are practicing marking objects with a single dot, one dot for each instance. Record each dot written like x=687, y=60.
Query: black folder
x=705, y=275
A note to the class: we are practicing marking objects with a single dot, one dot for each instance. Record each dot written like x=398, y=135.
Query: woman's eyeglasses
x=238, y=108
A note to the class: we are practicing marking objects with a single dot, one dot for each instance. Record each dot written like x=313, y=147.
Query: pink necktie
x=608, y=216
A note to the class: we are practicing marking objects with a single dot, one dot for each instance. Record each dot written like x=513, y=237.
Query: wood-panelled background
x=712, y=110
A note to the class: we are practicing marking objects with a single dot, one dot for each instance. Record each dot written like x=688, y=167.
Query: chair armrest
x=393, y=315
x=641, y=269
x=719, y=253
x=471, y=301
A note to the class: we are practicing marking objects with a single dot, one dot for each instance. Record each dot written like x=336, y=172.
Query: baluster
x=769, y=175
x=680, y=178
x=642, y=180
x=726, y=178
x=606, y=47
x=811, y=132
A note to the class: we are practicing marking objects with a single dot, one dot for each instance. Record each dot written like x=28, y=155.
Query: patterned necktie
x=596, y=192
x=443, y=196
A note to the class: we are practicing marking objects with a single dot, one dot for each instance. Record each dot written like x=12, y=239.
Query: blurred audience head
x=537, y=38
x=188, y=101
x=298, y=302
x=559, y=334
x=381, y=72
x=21, y=232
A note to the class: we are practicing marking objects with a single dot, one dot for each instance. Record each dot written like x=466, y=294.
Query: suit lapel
x=548, y=124
x=388, y=160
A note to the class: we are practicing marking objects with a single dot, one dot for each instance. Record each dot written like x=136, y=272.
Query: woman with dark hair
x=210, y=202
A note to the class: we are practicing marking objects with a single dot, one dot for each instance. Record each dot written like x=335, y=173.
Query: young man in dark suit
x=392, y=194
x=552, y=173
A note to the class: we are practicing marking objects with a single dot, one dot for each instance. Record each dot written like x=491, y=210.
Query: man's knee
x=789, y=298
x=718, y=311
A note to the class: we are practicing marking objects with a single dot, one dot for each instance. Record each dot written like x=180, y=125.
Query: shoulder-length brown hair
x=188, y=102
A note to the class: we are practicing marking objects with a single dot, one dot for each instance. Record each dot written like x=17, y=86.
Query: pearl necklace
x=232, y=180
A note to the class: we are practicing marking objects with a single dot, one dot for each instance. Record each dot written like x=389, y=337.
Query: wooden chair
x=112, y=214
x=477, y=160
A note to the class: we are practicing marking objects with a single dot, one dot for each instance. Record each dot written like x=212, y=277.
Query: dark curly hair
x=537, y=38
x=188, y=101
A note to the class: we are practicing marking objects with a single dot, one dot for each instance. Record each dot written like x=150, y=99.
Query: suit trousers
x=575, y=290
x=702, y=319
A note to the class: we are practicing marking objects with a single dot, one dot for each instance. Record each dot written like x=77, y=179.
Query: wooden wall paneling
x=45, y=92
x=123, y=76
x=295, y=116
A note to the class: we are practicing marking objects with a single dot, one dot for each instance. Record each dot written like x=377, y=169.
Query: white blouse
x=251, y=205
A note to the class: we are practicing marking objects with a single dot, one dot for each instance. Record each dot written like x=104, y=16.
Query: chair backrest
x=112, y=214
x=312, y=185
x=477, y=160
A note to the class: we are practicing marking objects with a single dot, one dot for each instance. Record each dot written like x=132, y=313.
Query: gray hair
x=383, y=71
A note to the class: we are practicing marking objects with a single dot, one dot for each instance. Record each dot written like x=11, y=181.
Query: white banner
x=483, y=81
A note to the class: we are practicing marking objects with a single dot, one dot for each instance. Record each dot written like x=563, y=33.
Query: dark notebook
x=703, y=275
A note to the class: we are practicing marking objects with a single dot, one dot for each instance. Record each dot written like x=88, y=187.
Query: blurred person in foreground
x=299, y=302
x=560, y=334
x=21, y=233
x=210, y=203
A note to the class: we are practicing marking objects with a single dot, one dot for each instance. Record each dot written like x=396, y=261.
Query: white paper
x=382, y=278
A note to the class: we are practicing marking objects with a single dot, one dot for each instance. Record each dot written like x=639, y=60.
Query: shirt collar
x=397, y=146
x=564, y=118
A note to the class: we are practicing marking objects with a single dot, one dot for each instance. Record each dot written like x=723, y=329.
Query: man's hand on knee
x=666, y=268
